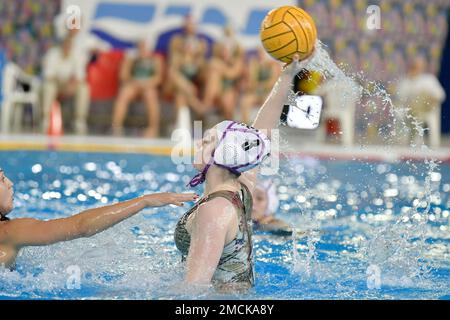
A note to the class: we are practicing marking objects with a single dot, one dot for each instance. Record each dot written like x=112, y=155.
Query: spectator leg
x=153, y=112
x=82, y=101
x=186, y=88
x=213, y=83
x=247, y=103
x=228, y=101
x=126, y=95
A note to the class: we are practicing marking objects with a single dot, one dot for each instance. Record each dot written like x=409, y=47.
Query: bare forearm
x=157, y=77
x=93, y=221
x=32, y=232
x=268, y=116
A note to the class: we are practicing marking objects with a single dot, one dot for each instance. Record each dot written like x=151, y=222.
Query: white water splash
x=398, y=248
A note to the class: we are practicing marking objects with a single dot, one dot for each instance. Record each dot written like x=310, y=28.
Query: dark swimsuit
x=235, y=268
x=189, y=71
x=143, y=68
x=264, y=73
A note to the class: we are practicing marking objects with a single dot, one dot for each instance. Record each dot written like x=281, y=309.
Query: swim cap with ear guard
x=239, y=149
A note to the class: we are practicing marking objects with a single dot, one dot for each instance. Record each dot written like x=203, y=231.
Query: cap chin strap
x=200, y=177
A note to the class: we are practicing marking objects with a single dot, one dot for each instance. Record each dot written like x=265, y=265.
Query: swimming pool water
x=355, y=220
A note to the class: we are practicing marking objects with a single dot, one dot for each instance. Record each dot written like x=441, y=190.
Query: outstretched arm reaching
x=32, y=232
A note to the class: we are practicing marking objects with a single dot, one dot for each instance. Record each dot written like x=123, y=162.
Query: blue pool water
x=358, y=223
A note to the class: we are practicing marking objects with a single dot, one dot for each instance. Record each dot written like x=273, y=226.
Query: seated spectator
x=224, y=73
x=422, y=94
x=64, y=74
x=186, y=57
x=184, y=75
x=261, y=75
x=140, y=75
x=188, y=36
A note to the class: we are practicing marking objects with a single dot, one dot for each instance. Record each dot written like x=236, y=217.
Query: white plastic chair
x=14, y=97
x=430, y=120
x=341, y=98
x=346, y=118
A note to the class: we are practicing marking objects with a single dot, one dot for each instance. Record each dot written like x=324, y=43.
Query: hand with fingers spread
x=166, y=198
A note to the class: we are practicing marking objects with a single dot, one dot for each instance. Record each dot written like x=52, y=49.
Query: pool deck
x=296, y=146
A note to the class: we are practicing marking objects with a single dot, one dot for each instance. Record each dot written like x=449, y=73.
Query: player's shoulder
x=216, y=208
x=11, y=227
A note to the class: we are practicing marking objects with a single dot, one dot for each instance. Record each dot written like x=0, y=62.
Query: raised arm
x=32, y=232
x=268, y=116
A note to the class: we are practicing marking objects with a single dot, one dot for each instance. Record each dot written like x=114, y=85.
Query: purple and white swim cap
x=239, y=149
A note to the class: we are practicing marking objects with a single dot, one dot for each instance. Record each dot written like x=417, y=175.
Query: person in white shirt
x=422, y=95
x=64, y=73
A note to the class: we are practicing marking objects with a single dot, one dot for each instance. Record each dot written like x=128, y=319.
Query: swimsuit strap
x=238, y=203
x=238, y=257
x=231, y=196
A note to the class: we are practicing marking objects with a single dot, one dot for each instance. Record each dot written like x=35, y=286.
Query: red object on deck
x=333, y=127
x=55, y=127
x=103, y=75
